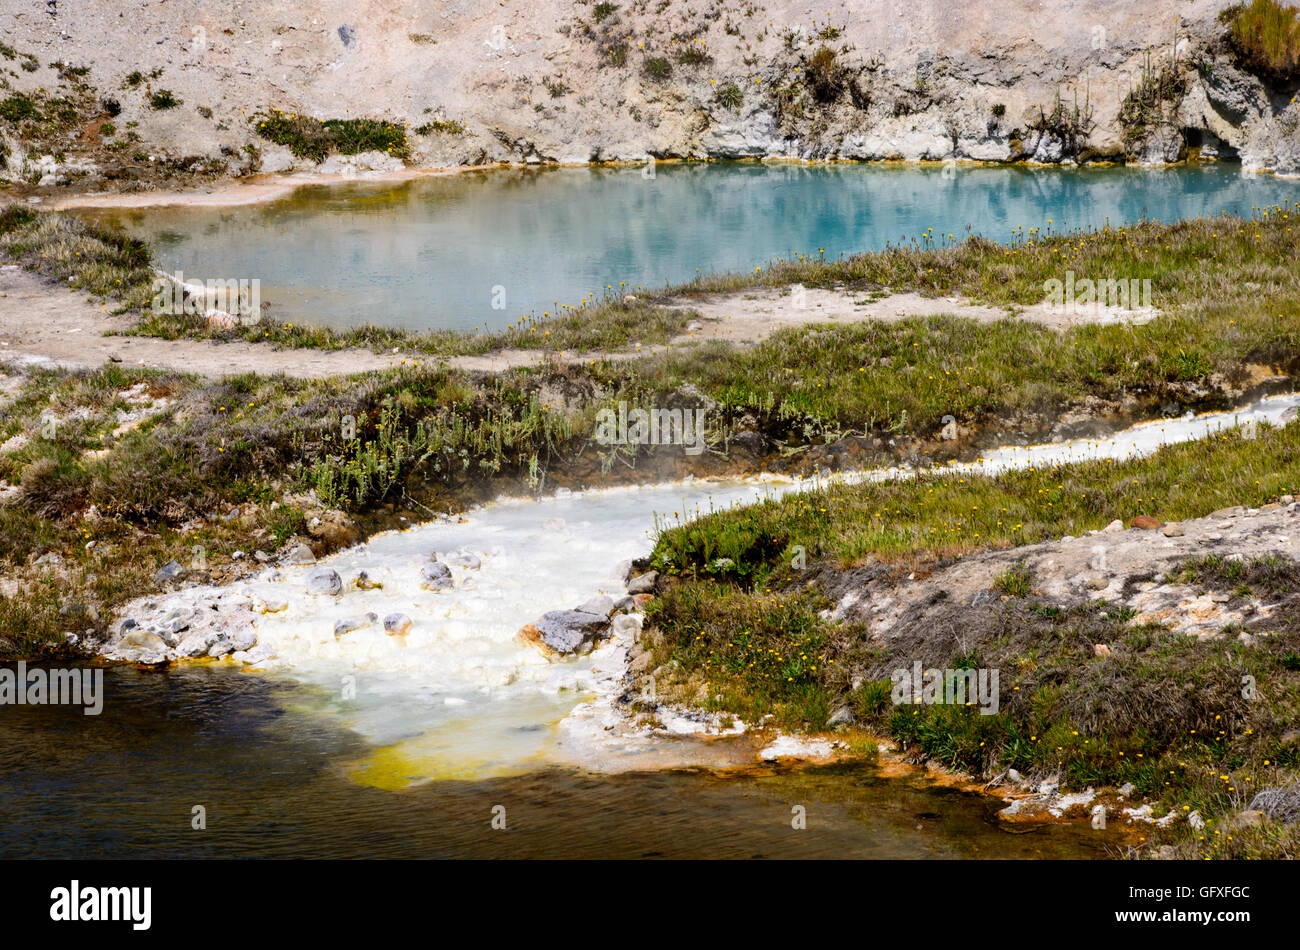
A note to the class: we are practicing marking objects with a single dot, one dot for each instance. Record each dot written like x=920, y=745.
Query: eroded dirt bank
x=164, y=95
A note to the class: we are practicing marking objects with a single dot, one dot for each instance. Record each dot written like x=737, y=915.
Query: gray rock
x=324, y=581
x=435, y=576
x=300, y=554
x=171, y=571
x=1049, y=149
x=196, y=644
x=221, y=647
x=365, y=581
x=353, y=623
x=257, y=654
x=571, y=631
x=601, y=604
x=842, y=716
x=643, y=583
x=624, y=603
x=397, y=624
x=641, y=662
x=468, y=562
x=751, y=442
x=1161, y=147
x=629, y=624
x=243, y=640
x=141, y=641
x=182, y=614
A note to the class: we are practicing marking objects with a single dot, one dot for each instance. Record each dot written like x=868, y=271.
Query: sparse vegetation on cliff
x=730, y=97
x=1266, y=37
x=315, y=139
x=1150, y=103
x=164, y=99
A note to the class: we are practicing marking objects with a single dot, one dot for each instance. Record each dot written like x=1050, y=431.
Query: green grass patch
x=17, y=108
x=658, y=68
x=939, y=514
x=749, y=634
x=164, y=99
x=104, y=263
x=1015, y=581
x=441, y=127
x=315, y=139
x=730, y=97
x=1266, y=36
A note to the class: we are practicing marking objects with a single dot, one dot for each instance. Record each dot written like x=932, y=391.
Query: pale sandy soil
x=244, y=191
x=752, y=315
x=44, y=324
x=41, y=324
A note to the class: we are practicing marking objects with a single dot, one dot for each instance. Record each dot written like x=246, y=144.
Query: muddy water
x=480, y=249
x=274, y=784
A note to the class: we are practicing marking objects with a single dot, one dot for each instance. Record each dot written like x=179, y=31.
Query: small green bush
x=731, y=97
x=312, y=138
x=18, y=107
x=658, y=68
x=163, y=99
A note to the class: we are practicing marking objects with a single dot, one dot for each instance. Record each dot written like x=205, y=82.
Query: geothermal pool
x=480, y=249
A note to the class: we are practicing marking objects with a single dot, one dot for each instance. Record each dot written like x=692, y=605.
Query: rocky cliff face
x=480, y=81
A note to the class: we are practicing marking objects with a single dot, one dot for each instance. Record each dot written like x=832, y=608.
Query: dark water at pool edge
x=273, y=783
x=445, y=251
